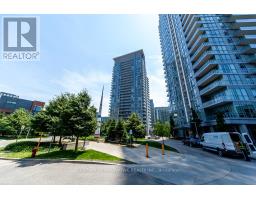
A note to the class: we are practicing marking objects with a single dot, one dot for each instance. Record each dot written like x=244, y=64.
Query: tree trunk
x=54, y=138
x=76, y=147
x=60, y=140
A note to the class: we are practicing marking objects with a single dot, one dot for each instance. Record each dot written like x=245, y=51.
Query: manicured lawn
x=79, y=155
x=24, y=149
x=27, y=146
x=155, y=144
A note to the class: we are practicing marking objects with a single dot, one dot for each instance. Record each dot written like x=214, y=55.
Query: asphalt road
x=209, y=168
x=60, y=173
x=191, y=166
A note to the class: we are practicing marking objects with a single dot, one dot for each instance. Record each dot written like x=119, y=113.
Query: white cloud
x=5, y=88
x=93, y=81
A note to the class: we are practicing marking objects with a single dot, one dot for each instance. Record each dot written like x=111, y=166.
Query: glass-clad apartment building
x=130, y=88
x=210, y=65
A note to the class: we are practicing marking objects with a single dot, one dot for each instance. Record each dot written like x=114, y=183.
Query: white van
x=223, y=142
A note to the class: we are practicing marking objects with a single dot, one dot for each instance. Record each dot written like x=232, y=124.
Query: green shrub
x=27, y=146
x=91, y=138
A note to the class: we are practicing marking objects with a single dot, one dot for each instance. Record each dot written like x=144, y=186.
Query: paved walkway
x=3, y=142
x=137, y=154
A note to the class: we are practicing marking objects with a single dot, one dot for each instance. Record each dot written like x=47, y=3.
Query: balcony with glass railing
x=217, y=101
x=204, y=46
x=209, y=77
x=246, y=40
x=248, y=59
x=248, y=70
x=190, y=24
x=233, y=17
x=187, y=19
x=232, y=115
x=206, y=68
x=215, y=86
x=243, y=23
x=199, y=41
x=203, y=59
x=245, y=31
x=195, y=25
x=247, y=50
x=197, y=33
x=208, y=54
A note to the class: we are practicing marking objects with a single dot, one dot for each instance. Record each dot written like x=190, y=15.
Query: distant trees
x=110, y=130
x=135, y=124
x=120, y=131
x=162, y=129
x=5, y=126
x=117, y=131
x=16, y=123
x=104, y=128
x=66, y=115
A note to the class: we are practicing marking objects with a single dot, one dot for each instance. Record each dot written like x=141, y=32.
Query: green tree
x=71, y=114
x=172, y=126
x=54, y=111
x=111, y=130
x=195, y=123
x=162, y=130
x=104, y=128
x=135, y=124
x=78, y=116
x=5, y=126
x=2, y=115
x=20, y=121
x=221, y=125
x=120, y=131
x=41, y=122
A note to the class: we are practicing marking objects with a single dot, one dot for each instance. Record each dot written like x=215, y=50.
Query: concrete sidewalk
x=137, y=154
x=3, y=142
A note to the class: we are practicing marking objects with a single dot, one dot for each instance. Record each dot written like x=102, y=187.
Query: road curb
x=69, y=161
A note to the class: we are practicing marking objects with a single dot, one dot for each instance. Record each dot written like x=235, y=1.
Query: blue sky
x=77, y=51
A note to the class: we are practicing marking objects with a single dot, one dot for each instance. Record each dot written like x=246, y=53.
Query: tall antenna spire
x=97, y=131
x=101, y=101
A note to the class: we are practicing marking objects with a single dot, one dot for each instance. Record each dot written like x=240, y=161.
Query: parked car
x=186, y=141
x=192, y=141
x=225, y=143
x=66, y=139
x=195, y=142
